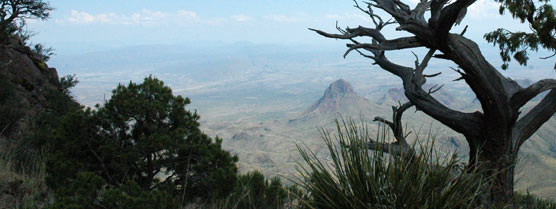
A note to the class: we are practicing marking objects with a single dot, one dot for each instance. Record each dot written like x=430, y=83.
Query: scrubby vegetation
x=528, y=201
x=143, y=149
x=21, y=186
x=22, y=157
x=254, y=191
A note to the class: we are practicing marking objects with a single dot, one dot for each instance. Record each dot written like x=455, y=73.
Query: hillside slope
x=28, y=87
x=26, y=81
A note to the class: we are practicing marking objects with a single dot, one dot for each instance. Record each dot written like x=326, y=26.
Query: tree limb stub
x=400, y=147
x=524, y=95
x=392, y=148
x=387, y=45
x=535, y=118
x=354, y=32
x=450, y=16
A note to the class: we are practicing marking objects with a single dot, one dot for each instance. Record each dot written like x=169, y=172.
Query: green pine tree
x=139, y=149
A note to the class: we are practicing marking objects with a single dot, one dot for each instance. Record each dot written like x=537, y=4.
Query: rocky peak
x=339, y=88
x=338, y=94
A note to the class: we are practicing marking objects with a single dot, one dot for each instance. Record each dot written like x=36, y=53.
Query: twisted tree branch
x=387, y=45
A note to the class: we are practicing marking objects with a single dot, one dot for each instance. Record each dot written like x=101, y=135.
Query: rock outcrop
x=339, y=93
x=339, y=99
x=25, y=81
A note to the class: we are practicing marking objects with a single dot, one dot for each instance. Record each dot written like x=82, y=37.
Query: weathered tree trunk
x=493, y=151
x=501, y=168
x=498, y=165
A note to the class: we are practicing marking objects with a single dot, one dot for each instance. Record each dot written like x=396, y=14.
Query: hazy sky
x=84, y=25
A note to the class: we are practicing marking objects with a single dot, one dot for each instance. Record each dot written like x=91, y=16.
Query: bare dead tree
x=494, y=134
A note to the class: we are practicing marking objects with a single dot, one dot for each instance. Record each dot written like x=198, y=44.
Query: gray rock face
x=27, y=80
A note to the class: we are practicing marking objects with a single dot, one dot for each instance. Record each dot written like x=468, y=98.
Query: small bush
x=254, y=191
x=44, y=52
x=67, y=82
x=89, y=190
x=528, y=201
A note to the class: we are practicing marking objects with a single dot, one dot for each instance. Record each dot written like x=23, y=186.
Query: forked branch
x=400, y=147
x=535, y=118
x=525, y=95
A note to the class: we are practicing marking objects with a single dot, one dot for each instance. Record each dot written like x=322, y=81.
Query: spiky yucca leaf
x=357, y=177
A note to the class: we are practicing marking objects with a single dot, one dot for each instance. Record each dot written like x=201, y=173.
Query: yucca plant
x=358, y=177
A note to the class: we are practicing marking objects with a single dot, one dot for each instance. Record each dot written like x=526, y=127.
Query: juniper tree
x=142, y=138
x=496, y=133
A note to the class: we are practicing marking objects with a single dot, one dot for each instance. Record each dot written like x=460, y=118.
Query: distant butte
x=338, y=88
x=338, y=94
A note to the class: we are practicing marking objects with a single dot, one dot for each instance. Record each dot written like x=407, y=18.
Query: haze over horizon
x=109, y=42
x=84, y=26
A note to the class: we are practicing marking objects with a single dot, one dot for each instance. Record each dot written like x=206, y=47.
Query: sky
x=77, y=26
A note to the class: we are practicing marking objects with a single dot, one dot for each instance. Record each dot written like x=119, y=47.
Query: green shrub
x=528, y=201
x=359, y=178
x=90, y=191
x=254, y=191
x=44, y=52
x=21, y=185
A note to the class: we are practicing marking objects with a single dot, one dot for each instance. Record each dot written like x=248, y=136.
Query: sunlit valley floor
x=263, y=100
